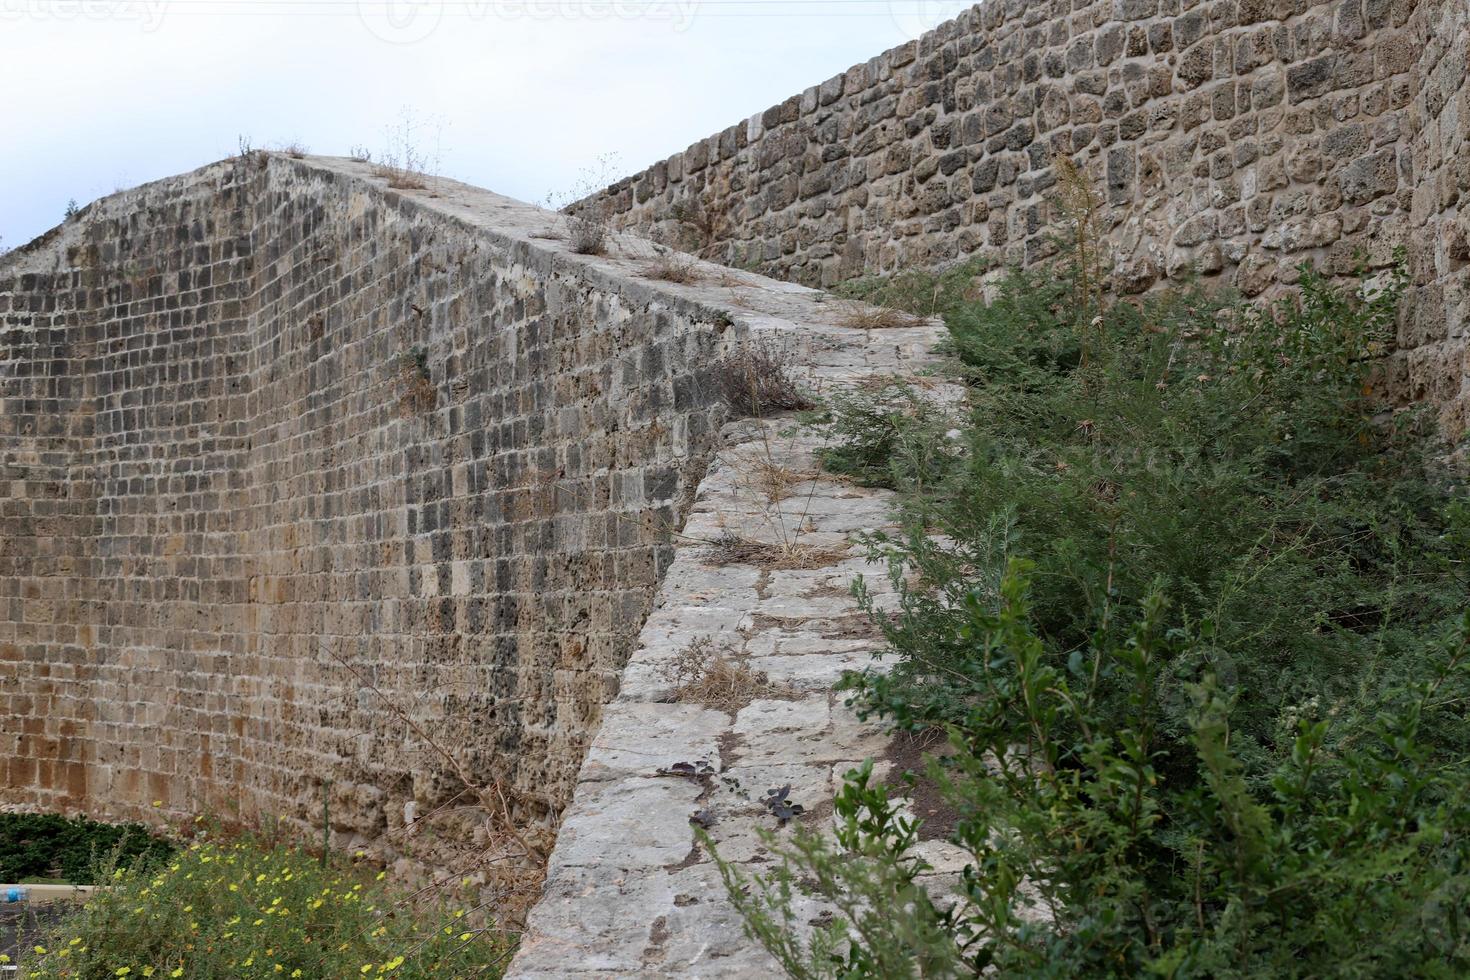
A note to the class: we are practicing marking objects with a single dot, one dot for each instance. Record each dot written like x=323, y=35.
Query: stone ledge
x=628, y=891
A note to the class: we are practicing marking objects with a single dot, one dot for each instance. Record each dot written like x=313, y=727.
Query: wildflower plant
x=246, y=909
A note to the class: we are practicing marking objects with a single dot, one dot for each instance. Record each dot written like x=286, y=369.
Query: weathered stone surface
x=630, y=892
x=1248, y=113
x=222, y=468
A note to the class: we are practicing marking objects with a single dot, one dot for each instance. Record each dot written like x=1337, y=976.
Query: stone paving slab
x=629, y=892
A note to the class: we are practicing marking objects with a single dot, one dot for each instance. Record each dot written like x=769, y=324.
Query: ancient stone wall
x=1231, y=138
x=271, y=419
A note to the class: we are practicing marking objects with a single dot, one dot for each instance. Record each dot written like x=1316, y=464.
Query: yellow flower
x=157, y=804
x=147, y=971
x=464, y=936
x=4, y=958
x=40, y=950
x=296, y=972
x=122, y=971
x=366, y=967
x=381, y=876
x=177, y=973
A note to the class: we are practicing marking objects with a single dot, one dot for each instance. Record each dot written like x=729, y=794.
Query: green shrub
x=1347, y=858
x=46, y=846
x=247, y=909
x=1192, y=610
x=917, y=291
x=893, y=437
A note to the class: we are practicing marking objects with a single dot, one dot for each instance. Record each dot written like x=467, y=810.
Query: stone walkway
x=629, y=892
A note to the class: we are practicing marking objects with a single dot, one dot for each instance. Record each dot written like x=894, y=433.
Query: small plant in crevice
x=246, y=154
x=72, y=209
x=417, y=393
x=755, y=381
x=886, y=924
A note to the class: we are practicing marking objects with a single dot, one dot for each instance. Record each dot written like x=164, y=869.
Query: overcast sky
x=520, y=96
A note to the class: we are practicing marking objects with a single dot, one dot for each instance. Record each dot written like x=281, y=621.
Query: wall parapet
x=1228, y=139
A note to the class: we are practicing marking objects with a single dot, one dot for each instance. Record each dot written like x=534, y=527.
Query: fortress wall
x=123, y=334
x=271, y=414
x=1434, y=363
x=1231, y=138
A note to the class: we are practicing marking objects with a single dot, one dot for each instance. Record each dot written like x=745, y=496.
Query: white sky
x=520, y=96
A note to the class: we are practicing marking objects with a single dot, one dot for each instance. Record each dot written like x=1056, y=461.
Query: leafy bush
x=48, y=846
x=251, y=910
x=1192, y=612
x=916, y=291
x=893, y=437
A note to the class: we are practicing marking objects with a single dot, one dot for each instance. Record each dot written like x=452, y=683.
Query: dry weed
x=731, y=549
x=719, y=679
x=755, y=382
x=774, y=481
x=671, y=266
x=587, y=229
x=400, y=178
x=865, y=317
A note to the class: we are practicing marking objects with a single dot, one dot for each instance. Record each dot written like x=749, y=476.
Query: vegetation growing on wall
x=1192, y=613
